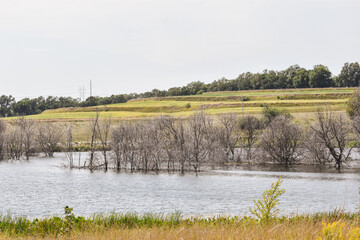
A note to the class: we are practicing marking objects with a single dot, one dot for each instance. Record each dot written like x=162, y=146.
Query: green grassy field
x=297, y=101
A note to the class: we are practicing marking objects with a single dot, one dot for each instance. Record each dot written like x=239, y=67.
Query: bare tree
x=103, y=134
x=175, y=140
x=49, y=136
x=170, y=140
x=14, y=143
x=70, y=146
x=144, y=144
x=335, y=133
x=216, y=151
x=93, y=130
x=2, y=139
x=156, y=143
x=279, y=142
x=183, y=147
x=251, y=129
x=316, y=150
x=117, y=142
x=131, y=145
x=27, y=127
x=197, y=145
x=228, y=133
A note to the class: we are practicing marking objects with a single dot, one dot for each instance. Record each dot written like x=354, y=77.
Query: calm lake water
x=42, y=187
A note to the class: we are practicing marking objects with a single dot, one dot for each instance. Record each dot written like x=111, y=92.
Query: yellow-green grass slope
x=296, y=101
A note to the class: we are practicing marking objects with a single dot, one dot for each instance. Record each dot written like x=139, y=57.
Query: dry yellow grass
x=300, y=230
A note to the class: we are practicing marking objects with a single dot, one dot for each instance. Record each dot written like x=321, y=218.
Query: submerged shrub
x=280, y=141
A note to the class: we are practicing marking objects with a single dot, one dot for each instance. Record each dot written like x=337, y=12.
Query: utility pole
x=82, y=93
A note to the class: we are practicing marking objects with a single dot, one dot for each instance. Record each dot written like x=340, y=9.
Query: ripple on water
x=41, y=187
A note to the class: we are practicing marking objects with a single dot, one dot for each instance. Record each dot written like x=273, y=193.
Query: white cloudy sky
x=52, y=47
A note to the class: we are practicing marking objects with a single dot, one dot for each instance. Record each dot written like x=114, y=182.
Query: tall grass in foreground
x=332, y=225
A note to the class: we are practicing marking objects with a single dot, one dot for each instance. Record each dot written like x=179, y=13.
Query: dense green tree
x=243, y=81
x=91, y=101
x=256, y=81
x=268, y=79
x=320, y=77
x=287, y=76
x=174, y=91
x=301, y=78
x=6, y=103
x=349, y=75
x=194, y=87
x=23, y=107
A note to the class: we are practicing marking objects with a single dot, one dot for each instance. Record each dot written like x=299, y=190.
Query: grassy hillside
x=297, y=101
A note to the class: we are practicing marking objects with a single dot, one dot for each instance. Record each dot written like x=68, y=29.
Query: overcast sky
x=52, y=47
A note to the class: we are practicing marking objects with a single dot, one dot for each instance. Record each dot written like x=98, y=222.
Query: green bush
x=353, y=105
x=271, y=113
x=266, y=208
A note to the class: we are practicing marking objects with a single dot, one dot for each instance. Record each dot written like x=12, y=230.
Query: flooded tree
x=169, y=132
x=69, y=146
x=117, y=144
x=334, y=132
x=14, y=143
x=251, y=128
x=228, y=133
x=280, y=141
x=49, y=136
x=315, y=149
x=2, y=139
x=131, y=145
x=145, y=144
x=28, y=128
x=198, y=126
x=103, y=134
x=175, y=141
x=156, y=143
x=93, y=130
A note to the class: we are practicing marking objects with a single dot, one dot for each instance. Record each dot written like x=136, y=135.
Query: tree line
x=10, y=107
x=167, y=143
x=292, y=77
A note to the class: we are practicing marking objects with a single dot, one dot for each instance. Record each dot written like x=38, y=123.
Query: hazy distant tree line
x=292, y=77
x=10, y=107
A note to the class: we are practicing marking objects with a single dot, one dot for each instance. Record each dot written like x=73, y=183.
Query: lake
x=42, y=187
